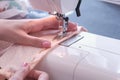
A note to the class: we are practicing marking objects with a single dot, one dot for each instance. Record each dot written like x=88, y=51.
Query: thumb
x=21, y=73
x=35, y=42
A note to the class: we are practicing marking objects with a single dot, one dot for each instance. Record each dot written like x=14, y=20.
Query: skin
x=25, y=74
x=17, y=31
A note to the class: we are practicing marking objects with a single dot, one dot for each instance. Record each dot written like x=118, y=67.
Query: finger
x=22, y=73
x=40, y=75
x=45, y=33
x=43, y=24
x=72, y=26
x=43, y=76
x=34, y=41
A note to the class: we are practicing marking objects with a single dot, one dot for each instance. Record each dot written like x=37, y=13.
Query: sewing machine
x=85, y=57
x=59, y=8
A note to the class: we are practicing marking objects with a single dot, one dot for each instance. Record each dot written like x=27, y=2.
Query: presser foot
x=60, y=35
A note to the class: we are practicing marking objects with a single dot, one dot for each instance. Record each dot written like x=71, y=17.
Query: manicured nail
x=46, y=44
x=25, y=64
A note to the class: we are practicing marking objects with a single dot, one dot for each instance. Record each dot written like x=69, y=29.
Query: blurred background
x=100, y=18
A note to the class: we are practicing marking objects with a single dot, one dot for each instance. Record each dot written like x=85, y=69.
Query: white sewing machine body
x=60, y=6
x=93, y=57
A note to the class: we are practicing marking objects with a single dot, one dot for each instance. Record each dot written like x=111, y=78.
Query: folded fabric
x=14, y=56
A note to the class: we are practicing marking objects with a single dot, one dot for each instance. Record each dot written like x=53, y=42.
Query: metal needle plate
x=72, y=40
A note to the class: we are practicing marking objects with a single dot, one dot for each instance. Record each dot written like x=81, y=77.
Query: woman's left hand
x=17, y=31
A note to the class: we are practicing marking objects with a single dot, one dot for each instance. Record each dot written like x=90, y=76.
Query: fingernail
x=46, y=44
x=25, y=64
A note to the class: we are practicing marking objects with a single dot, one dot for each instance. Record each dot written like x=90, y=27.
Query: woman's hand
x=17, y=31
x=25, y=73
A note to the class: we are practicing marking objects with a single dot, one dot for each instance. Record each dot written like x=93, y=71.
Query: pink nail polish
x=46, y=44
x=25, y=64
